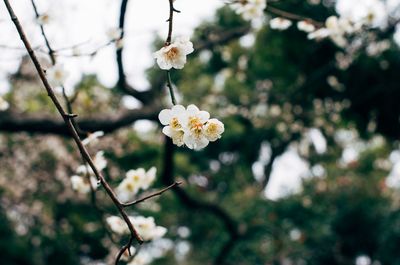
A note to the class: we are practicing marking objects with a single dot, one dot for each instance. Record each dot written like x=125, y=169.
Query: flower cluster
x=174, y=54
x=190, y=126
x=250, y=9
x=80, y=182
x=134, y=181
x=3, y=104
x=145, y=226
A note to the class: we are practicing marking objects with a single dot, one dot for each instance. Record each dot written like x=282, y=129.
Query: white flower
x=280, y=23
x=99, y=161
x=174, y=55
x=92, y=138
x=213, y=130
x=319, y=34
x=173, y=129
x=193, y=122
x=81, y=184
x=44, y=19
x=190, y=126
x=57, y=75
x=4, y=105
x=142, y=258
x=250, y=9
x=134, y=181
x=147, y=227
x=305, y=26
x=117, y=225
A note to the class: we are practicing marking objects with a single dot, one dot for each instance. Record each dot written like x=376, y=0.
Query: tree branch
x=122, y=84
x=18, y=122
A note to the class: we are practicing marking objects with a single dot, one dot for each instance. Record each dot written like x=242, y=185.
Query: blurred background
x=306, y=172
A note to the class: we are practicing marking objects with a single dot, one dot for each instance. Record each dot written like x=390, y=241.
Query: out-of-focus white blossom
x=99, y=161
x=134, y=181
x=370, y=13
x=117, y=225
x=57, y=74
x=145, y=226
x=174, y=55
x=92, y=138
x=4, y=105
x=305, y=26
x=81, y=184
x=280, y=23
x=250, y=9
x=44, y=19
x=190, y=126
x=142, y=258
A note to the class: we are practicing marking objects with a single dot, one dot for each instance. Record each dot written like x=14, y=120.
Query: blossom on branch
x=249, y=9
x=145, y=226
x=305, y=26
x=82, y=185
x=280, y=23
x=190, y=126
x=92, y=137
x=174, y=54
x=57, y=75
x=99, y=161
x=134, y=181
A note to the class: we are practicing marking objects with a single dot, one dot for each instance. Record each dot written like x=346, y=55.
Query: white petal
x=165, y=116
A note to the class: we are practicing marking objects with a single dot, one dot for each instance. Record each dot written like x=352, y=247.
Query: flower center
x=196, y=126
x=175, y=124
x=130, y=187
x=172, y=53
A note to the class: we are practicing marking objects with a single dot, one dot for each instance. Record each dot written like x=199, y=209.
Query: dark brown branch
x=15, y=122
x=155, y=194
x=292, y=16
x=122, y=84
x=71, y=127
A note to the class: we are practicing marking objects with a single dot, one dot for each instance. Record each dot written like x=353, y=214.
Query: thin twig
x=158, y=193
x=171, y=88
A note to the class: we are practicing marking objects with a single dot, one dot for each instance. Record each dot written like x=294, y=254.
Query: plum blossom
x=173, y=128
x=249, y=9
x=117, y=225
x=4, y=105
x=213, y=130
x=92, y=138
x=190, y=126
x=145, y=226
x=134, y=181
x=305, y=26
x=174, y=54
x=99, y=161
x=57, y=75
x=81, y=185
x=44, y=19
x=142, y=258
x=280, y=23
